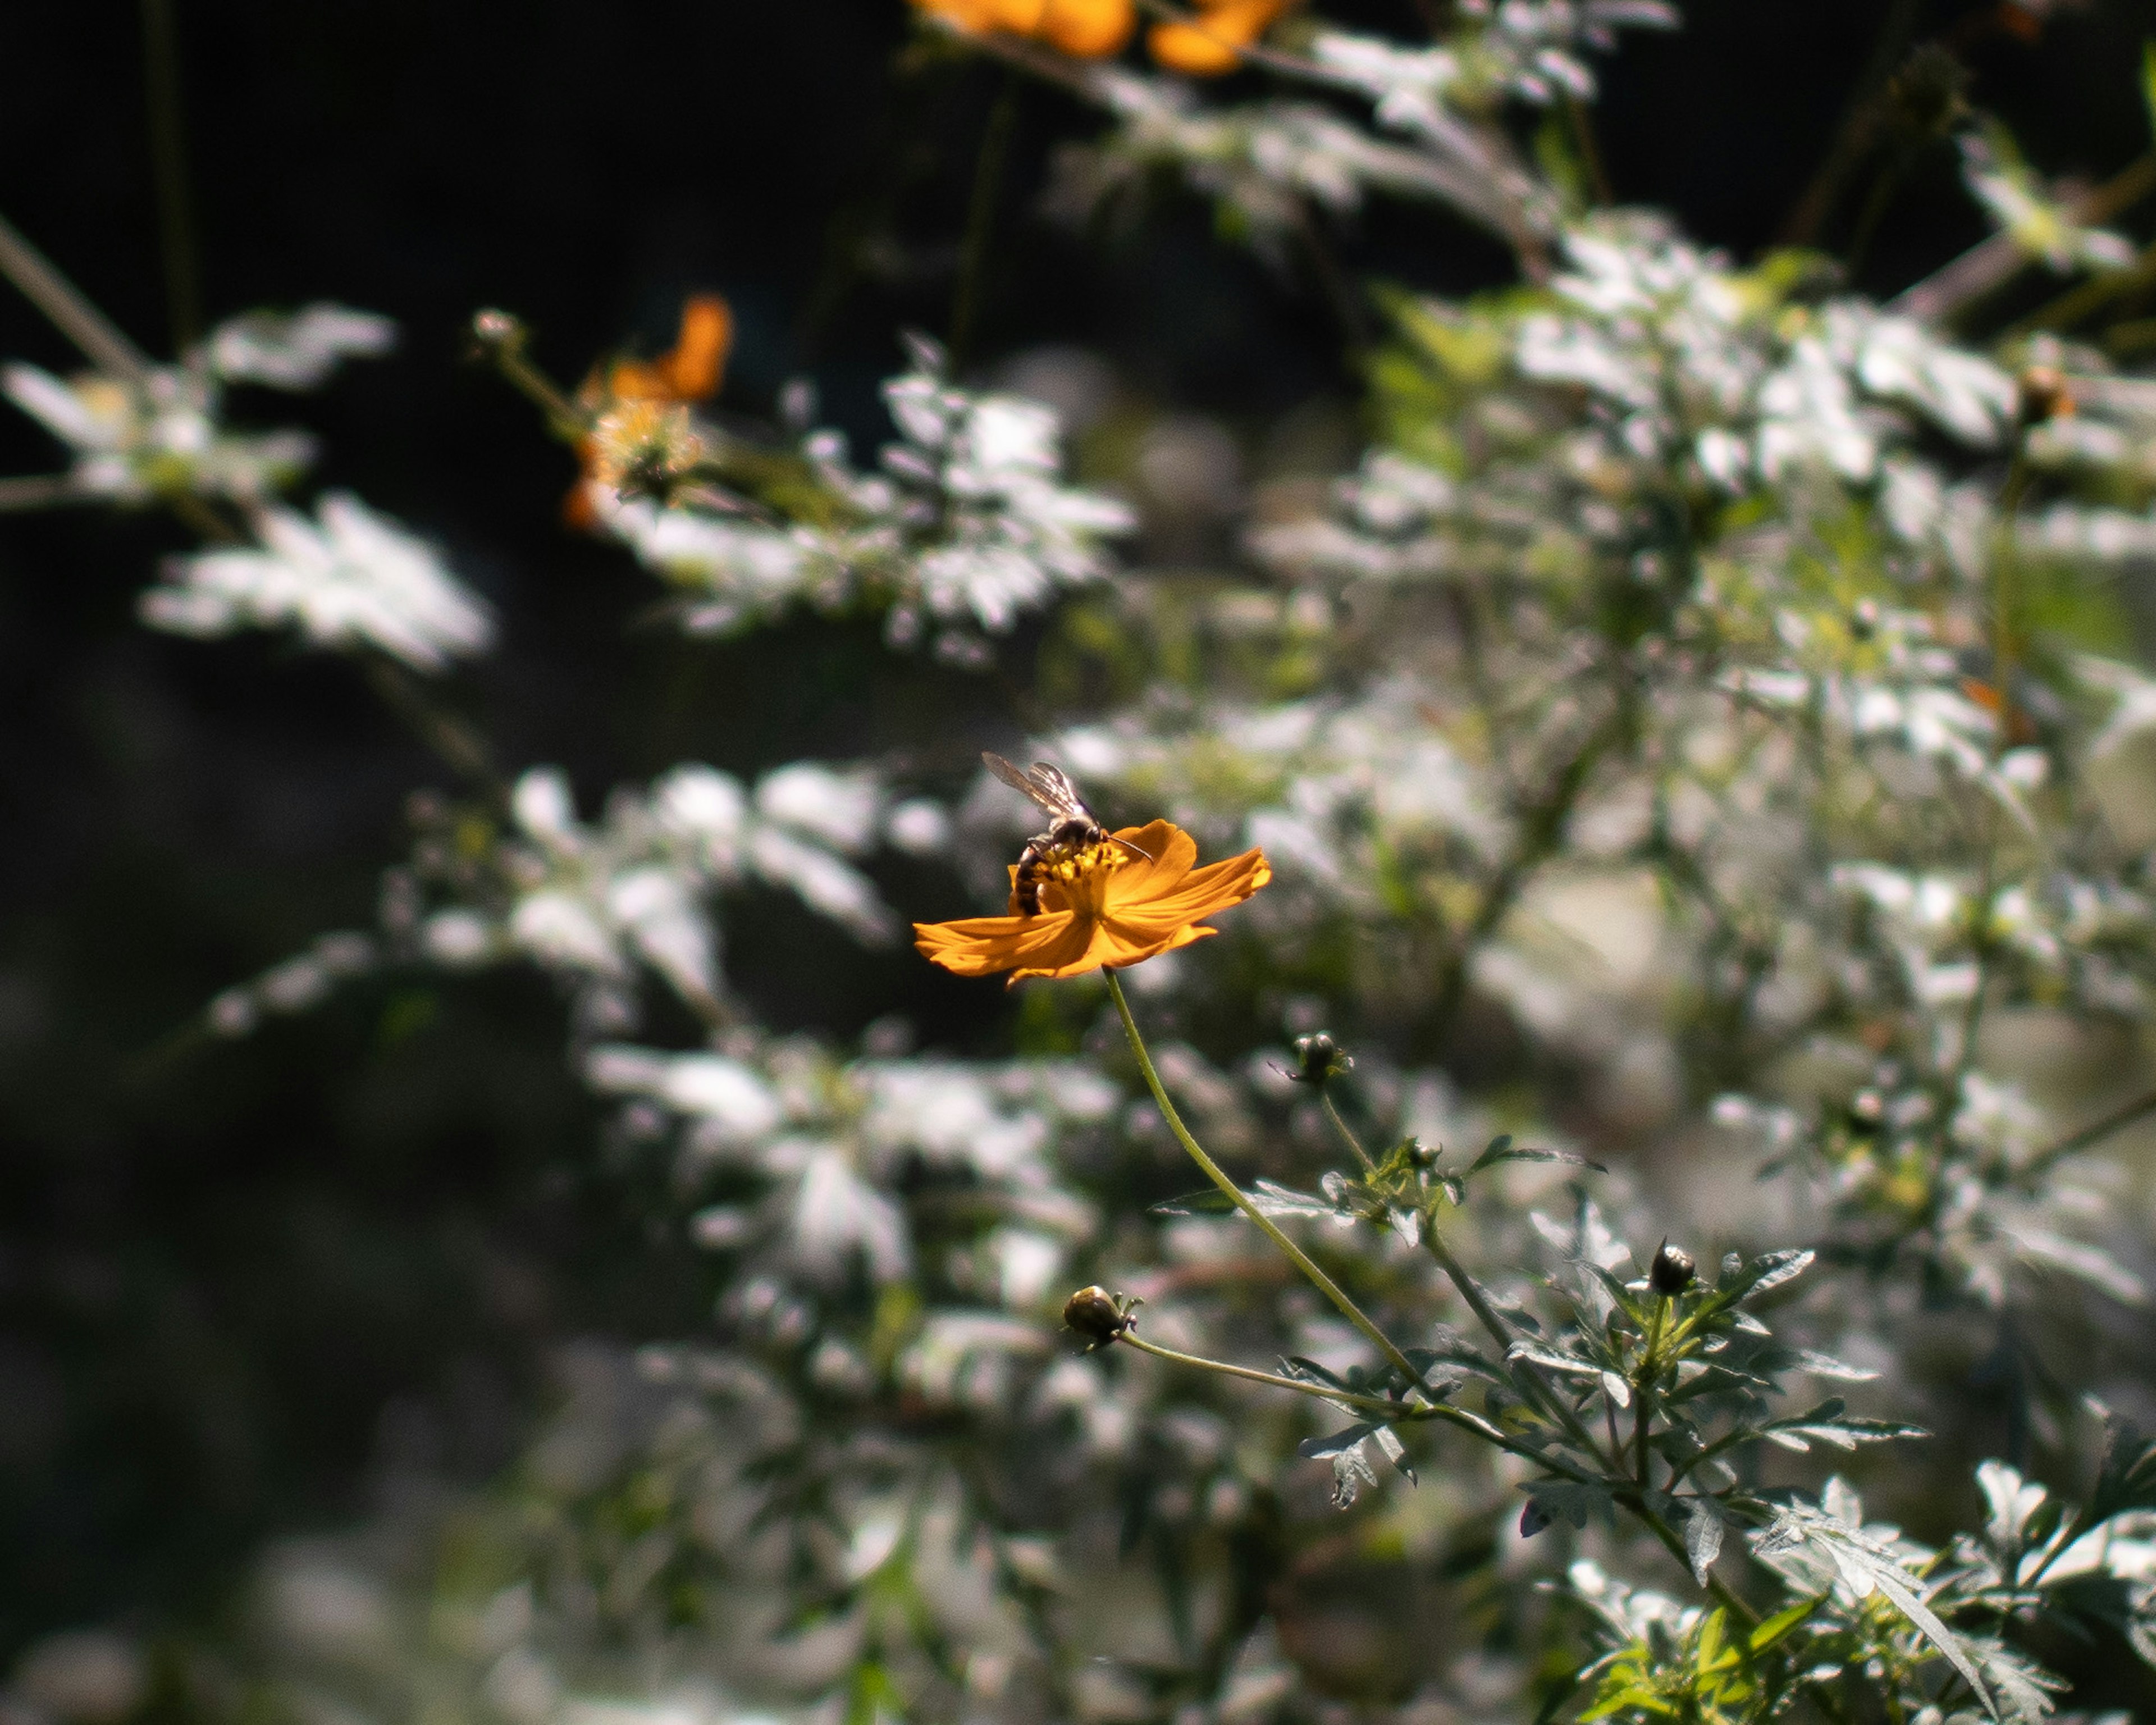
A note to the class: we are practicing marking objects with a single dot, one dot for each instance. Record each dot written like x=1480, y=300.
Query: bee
x=1072, y=827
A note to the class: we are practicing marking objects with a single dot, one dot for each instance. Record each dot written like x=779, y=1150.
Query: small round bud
x=2045, y=395
x=1094, y=1314
x=493, y=328
x=1672, y=1270
x=1318, y=1058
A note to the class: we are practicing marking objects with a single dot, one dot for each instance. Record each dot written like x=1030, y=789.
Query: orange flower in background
x=691, y=370
x=1085, y=29
x=623, y=396
x=1210, y=45
x=1107, y=906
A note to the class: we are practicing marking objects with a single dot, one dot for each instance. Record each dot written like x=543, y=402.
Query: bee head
x=1072, y=832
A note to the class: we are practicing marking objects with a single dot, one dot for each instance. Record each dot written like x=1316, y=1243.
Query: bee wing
x=1053, y=794
x=1056, y=794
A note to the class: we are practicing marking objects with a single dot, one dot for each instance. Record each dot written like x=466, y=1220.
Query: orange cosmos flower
x=623, y=398
x=1086, y=29
x=1104, y=907
x=1210, y=45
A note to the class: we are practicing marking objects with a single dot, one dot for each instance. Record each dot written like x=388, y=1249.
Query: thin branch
x=1992, y=263
x=1235, y=1195
x=70, y=309
x=39, y=491
x=2088, y=1136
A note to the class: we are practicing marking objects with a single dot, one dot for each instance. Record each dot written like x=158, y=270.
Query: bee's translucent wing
x=1056, y=794
x=1053, y=794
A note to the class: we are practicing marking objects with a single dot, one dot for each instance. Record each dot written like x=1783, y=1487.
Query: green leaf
x=1865, y=1565
x=1501, y=1150
x=1703, y=1530
x=2128, y=1478
x=1782, y=1622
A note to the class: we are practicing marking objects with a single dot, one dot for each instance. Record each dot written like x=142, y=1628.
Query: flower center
x=1083, y=875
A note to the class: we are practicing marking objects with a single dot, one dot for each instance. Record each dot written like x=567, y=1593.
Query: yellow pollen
x=1084, y=877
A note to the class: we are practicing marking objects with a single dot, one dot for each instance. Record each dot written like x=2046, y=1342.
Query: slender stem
x=1529, y=1382
x=2139, y=1109
x=69, y=310
x=1590, y=152
x=1643, y=1390
x=2004, y=595
x=39, y=491
x=1212, y=1170
x=1992, y=263
x=168, y=161
x=1382, y=1405
x=981, y=216
x=445, y=732
x=1340, y=1125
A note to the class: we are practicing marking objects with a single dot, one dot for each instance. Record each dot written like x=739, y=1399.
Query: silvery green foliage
x=964, y=527
x=350, y=579
x=1265, y=163
x=135, y=439
x=604, y=907
x=2015, y=198
x=1260, y=163
x=1630, y=730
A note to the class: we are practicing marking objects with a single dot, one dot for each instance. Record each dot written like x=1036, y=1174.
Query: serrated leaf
x=1295, y=1366
x=1776, y=1268
x=1570, y=1501
x=1503, y=1150
x=1551, y=1359
x=1865, y=1566
x=1825, y=1365
x=1276, y=1200
x=1210, y=1201
x=1389, y=1442
x=1325, y=1448
x=1703, y=1531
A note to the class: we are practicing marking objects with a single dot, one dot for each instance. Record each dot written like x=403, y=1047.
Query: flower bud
x=1318, y=1058
x=2045, y=395
x=1094, y=1314
x=1672, y=1270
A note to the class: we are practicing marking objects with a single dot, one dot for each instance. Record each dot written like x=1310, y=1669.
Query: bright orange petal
x=699, y=359
x=1209, y=46
x=986, y=945
x=1170, y=854
x=1203, y=893
x=1089, y=30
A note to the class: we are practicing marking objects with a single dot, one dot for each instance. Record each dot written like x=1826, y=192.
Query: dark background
x=239, y=1281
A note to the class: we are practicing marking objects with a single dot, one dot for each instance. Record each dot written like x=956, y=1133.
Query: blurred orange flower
x=1210, y=45
x=1086, y=29
x=690, y=371
x=1105, y=908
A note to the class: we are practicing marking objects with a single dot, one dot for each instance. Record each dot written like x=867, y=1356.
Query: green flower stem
x=1393, y=1412
x=1384, y=1406
x=1526, y=1377
x=1643, y=1388
x=1340, y=1125
x=1212, y=1170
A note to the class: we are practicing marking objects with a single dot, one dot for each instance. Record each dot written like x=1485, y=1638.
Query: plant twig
x=168, y=162
x=1235, y=1195
x=70, y=309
